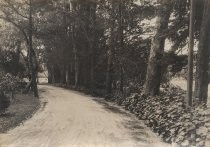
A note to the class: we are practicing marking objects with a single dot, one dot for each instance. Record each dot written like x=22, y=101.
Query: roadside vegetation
x=15, y=105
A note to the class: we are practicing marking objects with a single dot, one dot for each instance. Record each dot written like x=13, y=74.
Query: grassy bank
x=22, y=107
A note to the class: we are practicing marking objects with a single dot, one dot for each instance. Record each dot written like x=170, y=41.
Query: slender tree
x=32, y=54
x=201, y=80
x=121, y=40
x=190, y=56
x=110, y=54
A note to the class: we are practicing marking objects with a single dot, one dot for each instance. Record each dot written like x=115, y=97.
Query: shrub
x=4, y=103
x=167, y=115
x=8, y=83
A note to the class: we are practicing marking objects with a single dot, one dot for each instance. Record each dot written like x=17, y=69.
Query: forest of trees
x=106, y=44
x=95, y=44
x=105, y=47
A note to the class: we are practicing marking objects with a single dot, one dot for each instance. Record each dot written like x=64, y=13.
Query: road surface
x=72, y=119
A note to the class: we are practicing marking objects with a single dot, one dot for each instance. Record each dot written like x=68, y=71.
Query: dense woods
x=118, y=49
x=97, y=45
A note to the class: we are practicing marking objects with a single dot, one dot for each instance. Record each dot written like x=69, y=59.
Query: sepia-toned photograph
x=104, y=73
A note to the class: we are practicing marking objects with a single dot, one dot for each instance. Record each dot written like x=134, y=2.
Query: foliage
x=9, y=61
x=167, y=115
x=8, y=82
x=172, y=64
x=63, y=30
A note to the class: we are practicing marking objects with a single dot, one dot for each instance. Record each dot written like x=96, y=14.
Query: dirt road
x=71, y=119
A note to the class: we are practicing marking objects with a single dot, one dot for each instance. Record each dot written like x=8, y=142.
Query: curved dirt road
x=71, y=119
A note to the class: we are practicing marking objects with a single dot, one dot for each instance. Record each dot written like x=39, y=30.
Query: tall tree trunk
x=121, y=39
x=75, y=49
x=188, y=98
x=32, y=54
x=201, y=80
x=92, y=46
x=92, y=70
x=110, y=57
x=109, y=72
x=153, y=77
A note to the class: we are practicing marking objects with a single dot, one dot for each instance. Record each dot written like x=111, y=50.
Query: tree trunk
x=76, y=69
x=49, y=77
x=153, y=77
x=68, y=76
x=121, y=78
x=86, y=70
x=53, y=74
x=92, y=47
x=109, y=72
x=188, y=98
x=201, y=80
x=92, y=70
x=32, y=54
x=121, y=40
x=110, y=57
x=75, y=51
x=63, y=74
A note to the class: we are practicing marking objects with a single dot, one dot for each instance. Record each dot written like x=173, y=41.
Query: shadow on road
x=135, y=126
x=112, y=108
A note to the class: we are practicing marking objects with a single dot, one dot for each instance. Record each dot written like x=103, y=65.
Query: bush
x=167, y=115
x=8, y=82
x=4, y=103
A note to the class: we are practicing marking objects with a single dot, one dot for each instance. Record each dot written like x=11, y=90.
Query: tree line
x=107, y=46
